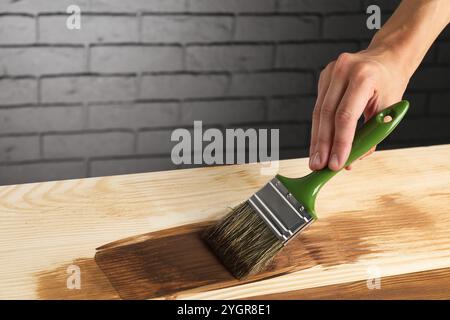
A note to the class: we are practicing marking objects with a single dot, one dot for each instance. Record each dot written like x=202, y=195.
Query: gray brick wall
x=104, y=100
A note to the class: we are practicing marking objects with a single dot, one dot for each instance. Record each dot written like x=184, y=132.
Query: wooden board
x=432, y=284
x=166, y=263
x=391, y=212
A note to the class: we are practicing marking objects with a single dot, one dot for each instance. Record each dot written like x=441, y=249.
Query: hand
x=356, y=83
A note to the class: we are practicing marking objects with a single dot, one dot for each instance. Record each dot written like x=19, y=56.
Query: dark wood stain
x=168, y=262
x=52, y=284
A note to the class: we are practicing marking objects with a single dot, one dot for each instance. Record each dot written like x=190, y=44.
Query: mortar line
x=180, y=110
x=38, y=90
x=140, y=30
x=277, y=6
x=37, y=29
x=44, y=160
x=137, y=85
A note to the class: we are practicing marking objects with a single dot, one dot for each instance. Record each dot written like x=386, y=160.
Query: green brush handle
x=374, y=131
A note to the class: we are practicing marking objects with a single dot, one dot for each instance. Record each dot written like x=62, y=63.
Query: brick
x=155, y=142
x=87, y=88
x=352, y=26
x=39, y=6
x=17, y=91
x=431, y=54
x=311, y=55
x=444, y=52
x=388, y=145
x=293, y=153
x=17, y=30
x=385, y=5
x=94, y=29
x=127, y=166
x=229, y=58
x=237, y=6
x=267, y=84
x=182, y=86
x=138, y=5
x=417, y=101
x=445, y=34
x=291, y=135
x=190, y=129
x=421, y=129
x=319, y=6
x=39, y=119
x=88, y=144
x=184, y=29
x=294, y=135
x=141, y=115
x=40, y=60
x=136, y=58
x=440, y=103
x=430, y=78
x=291, y=109
x=19, y=148
x=41, y=171
x=223, y=112
x=276, y=28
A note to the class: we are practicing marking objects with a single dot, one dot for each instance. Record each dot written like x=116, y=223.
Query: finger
x=371, y=108
x=348, y=112
x=368, y=153
x=324, y=83
x=322, y=87
x=325, y=130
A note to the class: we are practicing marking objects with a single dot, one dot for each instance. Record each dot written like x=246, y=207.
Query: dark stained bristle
x=243, y=241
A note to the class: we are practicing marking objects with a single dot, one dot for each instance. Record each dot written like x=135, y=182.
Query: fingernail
x=316, y=160
x=334, y=162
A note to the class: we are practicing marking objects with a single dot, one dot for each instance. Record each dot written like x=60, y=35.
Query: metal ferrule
x=283, y=214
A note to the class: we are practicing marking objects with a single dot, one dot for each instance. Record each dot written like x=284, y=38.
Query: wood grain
x=177, y=261
x=433, y=284
x=391, y=211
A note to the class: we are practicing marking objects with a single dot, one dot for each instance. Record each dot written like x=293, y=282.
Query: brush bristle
x=243, y=242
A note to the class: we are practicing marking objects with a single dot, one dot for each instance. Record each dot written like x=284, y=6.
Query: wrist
x=395, y=53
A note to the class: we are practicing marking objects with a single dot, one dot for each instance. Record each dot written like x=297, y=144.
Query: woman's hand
x=373, y=79
x=355, y=84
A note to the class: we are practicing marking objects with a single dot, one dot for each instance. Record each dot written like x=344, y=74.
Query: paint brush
x=247, y=239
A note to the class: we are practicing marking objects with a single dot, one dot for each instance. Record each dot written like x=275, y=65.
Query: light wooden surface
x=391, y=214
